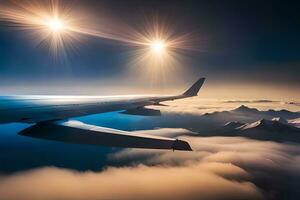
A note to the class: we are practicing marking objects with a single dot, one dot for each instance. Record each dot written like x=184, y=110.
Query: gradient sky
x=246, y=49
x=243, y=45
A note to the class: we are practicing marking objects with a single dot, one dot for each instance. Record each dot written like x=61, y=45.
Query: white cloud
x=198, y=181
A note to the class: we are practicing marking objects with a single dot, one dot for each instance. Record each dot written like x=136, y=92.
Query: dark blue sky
x=243, y=41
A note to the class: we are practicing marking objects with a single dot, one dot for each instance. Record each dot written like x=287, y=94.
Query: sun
x=158, y=46
x=55, y=24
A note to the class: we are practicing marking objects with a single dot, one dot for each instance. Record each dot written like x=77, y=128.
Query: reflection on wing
x=79, y=133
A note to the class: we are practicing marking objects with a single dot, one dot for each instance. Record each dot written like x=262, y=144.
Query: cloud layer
x=199, y=181
x=272, y=167
x=219, y=168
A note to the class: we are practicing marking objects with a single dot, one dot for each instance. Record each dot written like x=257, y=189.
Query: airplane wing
x=76, y=132
x=47, y=111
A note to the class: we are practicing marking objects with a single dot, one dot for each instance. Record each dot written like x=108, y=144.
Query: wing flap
x=79, y=133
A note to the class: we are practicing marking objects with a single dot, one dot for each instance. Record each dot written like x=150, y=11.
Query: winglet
x=194, y=89
x=181, y=145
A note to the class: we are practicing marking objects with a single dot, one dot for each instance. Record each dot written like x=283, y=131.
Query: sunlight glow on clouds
x=220, y=168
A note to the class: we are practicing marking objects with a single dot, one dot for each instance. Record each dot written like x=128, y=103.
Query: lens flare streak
x=156, y=49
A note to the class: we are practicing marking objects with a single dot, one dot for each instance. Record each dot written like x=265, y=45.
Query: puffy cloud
x=271, y=166
x=197, y=181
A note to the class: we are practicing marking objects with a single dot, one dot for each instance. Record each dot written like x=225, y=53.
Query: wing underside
x=76, y=132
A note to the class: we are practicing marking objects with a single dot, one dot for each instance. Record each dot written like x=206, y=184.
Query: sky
x=245, y=49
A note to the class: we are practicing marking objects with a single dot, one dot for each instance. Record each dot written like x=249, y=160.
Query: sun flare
x=158, y=47
x=55, y=24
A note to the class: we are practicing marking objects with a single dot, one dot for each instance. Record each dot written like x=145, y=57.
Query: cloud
x=272, y=167
x=262, y=101
x=212, y=148
x=250, y=101
x=293, y=103
x=197, y=181
x=198, y=106
x=193, y=114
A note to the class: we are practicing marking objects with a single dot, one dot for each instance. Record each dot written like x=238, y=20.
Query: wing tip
x=182, y=145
